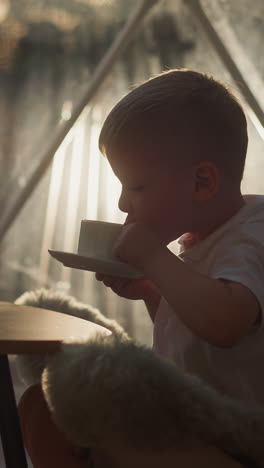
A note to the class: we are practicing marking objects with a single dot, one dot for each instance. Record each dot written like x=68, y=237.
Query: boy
x=178, y=145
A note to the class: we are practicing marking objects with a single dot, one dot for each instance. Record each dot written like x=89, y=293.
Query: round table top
x=25, y=329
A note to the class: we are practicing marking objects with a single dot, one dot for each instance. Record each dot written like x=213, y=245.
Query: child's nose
x=124, y=203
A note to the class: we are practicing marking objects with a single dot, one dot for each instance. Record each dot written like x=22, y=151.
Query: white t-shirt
x=234, y=252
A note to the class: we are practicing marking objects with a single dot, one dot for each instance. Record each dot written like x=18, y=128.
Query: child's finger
x=110, y=280
x=102, y=277
x=114, y=282
x=99, y=276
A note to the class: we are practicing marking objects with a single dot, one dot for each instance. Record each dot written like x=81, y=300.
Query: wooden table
x=25, y=330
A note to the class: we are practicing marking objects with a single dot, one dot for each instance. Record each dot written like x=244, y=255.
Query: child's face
x=154, y=192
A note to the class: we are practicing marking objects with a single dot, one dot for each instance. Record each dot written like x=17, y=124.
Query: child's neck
x=218, y=216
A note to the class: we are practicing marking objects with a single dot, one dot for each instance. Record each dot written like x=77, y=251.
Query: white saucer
x=106, y=267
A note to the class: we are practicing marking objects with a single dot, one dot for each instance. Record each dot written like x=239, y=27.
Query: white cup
x=97, y=238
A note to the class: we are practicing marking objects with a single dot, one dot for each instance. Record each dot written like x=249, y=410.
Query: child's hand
x=137, y=245
x=140, y=288
x=130, y=288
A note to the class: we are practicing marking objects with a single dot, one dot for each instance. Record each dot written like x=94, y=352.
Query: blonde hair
x=179, y=113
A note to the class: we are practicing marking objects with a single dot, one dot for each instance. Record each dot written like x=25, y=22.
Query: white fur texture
x=30, y=367
x=123, y=393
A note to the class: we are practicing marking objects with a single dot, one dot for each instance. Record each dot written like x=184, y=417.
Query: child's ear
x=206, y=180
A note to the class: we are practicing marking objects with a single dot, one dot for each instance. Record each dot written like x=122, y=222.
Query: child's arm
x=220, y=312
x=152, y=302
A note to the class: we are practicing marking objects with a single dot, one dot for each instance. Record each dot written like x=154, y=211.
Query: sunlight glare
x=93, y=173
x=74, y=184
x=51, y=212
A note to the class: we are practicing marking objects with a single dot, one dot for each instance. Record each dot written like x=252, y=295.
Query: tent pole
x=196, y=8
x=116, y=49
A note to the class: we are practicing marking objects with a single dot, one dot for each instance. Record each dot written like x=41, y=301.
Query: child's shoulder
x=250, y=222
